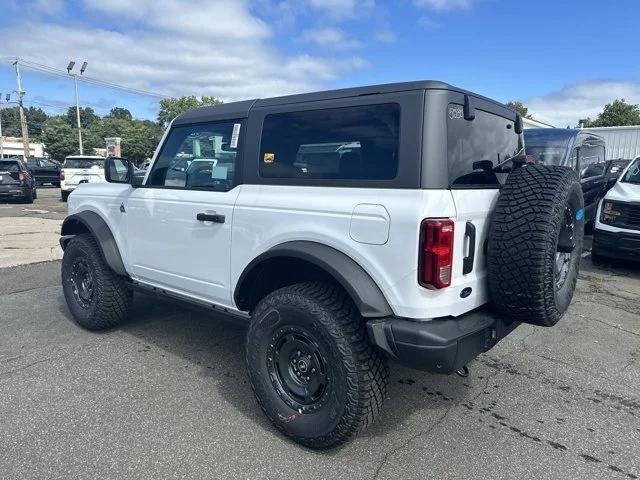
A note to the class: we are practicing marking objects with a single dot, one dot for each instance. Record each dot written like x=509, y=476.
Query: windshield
x=633, y=174
x=545, y=155
x=84, y=163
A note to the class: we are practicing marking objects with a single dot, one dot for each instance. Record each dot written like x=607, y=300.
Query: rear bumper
x=14, y=191
x=441, y=345
x=616, y=244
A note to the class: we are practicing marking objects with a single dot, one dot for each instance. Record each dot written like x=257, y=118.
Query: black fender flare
x=97, y=226
x=364, y=291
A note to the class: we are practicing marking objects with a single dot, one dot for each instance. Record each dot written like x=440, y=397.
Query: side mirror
x=118, y=170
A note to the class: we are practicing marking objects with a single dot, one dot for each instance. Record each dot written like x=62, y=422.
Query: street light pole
x=75, y=83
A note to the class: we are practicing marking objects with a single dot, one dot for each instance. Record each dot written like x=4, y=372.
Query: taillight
x=23, y=177
x=61, y=175
x=436, y=253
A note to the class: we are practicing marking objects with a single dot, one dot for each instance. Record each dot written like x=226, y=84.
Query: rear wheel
x=28, y=198
x=535, y=244
x=64, y=195
x=96, y=296
x=311, y=368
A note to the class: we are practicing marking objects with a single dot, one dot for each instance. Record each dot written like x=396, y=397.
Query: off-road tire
x=64, y=195
x=112, y=296
x=358, y=381
x=523, y=242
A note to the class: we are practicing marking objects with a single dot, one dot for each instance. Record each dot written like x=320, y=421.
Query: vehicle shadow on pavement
x=214, y=344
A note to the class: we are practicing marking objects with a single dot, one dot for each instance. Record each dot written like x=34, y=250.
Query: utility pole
x=75, y=83
x=23, y=119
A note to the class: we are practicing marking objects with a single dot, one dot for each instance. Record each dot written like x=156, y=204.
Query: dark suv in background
x=16, y=181
x=582, y=151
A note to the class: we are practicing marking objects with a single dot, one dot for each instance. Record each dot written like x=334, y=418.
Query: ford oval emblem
x=465, y=292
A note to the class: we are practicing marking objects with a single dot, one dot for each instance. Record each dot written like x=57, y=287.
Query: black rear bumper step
x=439, y=345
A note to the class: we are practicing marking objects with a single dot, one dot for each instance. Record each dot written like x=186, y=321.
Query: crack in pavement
x=391, y=453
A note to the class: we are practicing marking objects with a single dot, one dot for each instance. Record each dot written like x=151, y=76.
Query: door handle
x=210, y=217
x=467, y=262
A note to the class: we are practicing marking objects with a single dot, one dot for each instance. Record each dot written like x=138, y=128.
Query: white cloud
x=330, y=37
x=175, y=48
x=580, y=100
x=385, y=36
x=443, y=4
x=343, y=9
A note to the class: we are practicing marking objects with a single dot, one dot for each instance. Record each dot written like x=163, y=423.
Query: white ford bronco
x=346, y=228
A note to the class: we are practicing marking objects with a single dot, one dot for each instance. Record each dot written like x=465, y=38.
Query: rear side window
x=10, y=167
x=351, y=143
x=479, y=150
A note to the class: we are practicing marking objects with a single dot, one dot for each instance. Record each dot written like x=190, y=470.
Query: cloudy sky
x=564, y=59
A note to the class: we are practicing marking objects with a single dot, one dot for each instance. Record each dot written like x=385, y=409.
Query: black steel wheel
x=298, y=368
x=311, y=367
x=82, y=282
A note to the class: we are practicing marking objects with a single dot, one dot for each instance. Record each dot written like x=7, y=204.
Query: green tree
x=616, y=114
x=120, y=113
x=36, y=119
x=87, y=117
x=519, y=107
x=170, y=108
x=10, y=122
x=59, y=139
x=139, y=140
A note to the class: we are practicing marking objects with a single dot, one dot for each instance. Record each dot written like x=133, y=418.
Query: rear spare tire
x=535, y=244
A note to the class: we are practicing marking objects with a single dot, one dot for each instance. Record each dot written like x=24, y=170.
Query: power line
x=90, y=80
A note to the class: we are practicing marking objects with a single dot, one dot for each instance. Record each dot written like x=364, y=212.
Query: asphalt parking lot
x=165, y=396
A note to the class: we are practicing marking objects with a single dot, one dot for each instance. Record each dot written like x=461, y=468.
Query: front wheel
x=311, y=368
x=97, y=297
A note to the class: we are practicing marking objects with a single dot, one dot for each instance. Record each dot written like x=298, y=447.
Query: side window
x=199, y=156
x=32, y=163
x=479, y=150
x=591, y=160
x=355, y=143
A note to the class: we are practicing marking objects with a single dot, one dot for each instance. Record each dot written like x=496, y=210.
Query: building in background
x=12, y=147
x=113, y=146
x=622, y=142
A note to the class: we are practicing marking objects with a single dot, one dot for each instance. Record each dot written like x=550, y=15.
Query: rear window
x=340, y=143
x=83, y=163
x=479, y=150
x=9, y=167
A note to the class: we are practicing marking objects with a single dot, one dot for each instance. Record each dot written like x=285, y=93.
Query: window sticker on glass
x=219, y=173
x=269, y=157
x=234, y=135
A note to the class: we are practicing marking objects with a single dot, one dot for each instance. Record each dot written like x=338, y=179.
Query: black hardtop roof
x=241, y=109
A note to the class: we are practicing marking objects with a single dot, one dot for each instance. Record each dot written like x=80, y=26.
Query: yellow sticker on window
x=269, y=157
